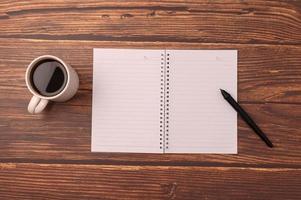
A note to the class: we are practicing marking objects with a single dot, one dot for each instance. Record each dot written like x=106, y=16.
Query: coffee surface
x=49, y=77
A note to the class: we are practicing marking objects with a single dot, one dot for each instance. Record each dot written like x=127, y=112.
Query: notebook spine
x=164, y=101
x=167, y=103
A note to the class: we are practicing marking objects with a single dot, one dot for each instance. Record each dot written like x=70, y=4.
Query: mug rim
x=30, y=67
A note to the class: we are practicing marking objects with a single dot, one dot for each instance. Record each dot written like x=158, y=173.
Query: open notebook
x=163, y=101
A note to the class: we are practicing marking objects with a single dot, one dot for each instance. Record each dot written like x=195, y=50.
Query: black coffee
x=49, y=77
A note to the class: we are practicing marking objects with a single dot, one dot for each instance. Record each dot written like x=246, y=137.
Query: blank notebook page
x=200, y=120
x=126, y=100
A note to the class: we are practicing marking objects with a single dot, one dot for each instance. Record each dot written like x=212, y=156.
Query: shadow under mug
x=39, y=102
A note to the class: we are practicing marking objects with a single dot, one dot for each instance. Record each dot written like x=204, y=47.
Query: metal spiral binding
x=164, y=101
x=167, y=94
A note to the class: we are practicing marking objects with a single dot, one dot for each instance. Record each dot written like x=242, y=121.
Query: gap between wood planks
x=150, y=164
x=157, y=45
x=12, y=165
x=139, y=39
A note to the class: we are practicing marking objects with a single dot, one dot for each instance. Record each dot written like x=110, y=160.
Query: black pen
x=246, y=117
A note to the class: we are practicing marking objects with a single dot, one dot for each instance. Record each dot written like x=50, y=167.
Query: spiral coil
x=167, y=102
x=164, y=100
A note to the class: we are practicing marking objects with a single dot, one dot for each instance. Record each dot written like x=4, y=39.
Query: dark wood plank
x=255, y=21
x=63, y=182
x=266, y=73
x=63, y=135
x=269, y=85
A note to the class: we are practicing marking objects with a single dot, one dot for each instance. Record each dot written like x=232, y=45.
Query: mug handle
x=37, y=105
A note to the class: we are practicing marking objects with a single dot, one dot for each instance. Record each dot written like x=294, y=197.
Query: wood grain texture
x=66, y=138
x=266, y=73
x=63, y=182
x=62, y=134
x=48, y=156
x=232, y=21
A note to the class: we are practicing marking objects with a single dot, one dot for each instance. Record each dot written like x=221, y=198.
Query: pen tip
x=224, y=93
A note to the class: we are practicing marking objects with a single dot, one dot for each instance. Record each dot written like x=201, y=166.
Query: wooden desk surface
x=48, y=156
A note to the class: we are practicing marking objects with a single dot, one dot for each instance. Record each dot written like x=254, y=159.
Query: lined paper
x=126, y=100
x=127, y=95
x=201, y=121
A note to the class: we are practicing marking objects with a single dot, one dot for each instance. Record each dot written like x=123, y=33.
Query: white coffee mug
x=38, y=102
